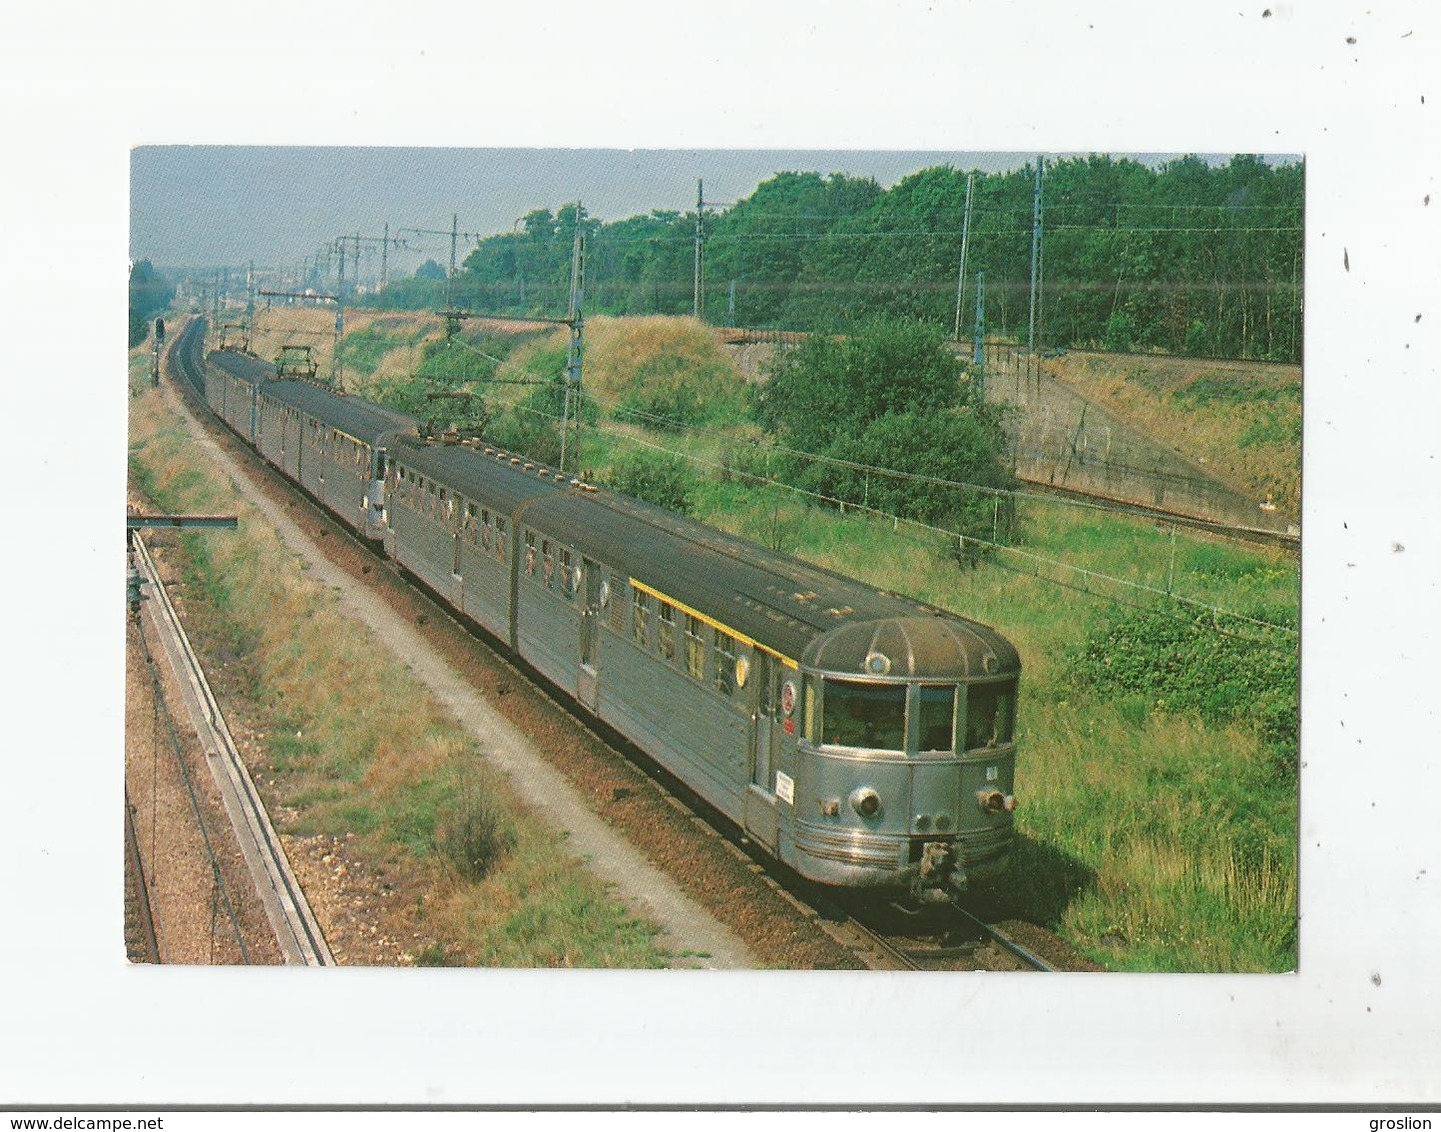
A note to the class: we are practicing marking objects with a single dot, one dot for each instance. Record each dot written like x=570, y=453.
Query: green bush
x=474, y=835
x=1180, y=662
x=666, y=481
x=890, y=396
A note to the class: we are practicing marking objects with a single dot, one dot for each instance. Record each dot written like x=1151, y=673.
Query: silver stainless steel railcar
x=864, y=739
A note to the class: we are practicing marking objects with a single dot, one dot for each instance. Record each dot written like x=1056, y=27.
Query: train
x=863, y=739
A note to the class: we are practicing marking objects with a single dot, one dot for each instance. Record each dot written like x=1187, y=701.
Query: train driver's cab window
x=936, y=718
x=872, y=716
x=989, y=712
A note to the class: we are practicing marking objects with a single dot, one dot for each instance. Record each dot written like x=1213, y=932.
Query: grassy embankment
x=1157, y=820
x=357, y=745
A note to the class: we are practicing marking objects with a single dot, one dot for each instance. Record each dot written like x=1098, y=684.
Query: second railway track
x=870, y=947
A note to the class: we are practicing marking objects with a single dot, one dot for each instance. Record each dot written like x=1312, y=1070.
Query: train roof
x=475, y=475
x=361, y=419
x=791, y=606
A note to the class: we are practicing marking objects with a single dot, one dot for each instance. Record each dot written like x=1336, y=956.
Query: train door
x=761, y=817
x=588, y=684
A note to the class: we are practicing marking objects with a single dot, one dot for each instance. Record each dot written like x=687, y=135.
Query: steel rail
x=142, y=889
x=1006, y=943
x=296, y=929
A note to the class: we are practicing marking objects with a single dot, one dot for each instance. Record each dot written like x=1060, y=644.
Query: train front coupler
x=939, y=876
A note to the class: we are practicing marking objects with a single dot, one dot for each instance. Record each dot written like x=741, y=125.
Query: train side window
x=808, y=708
x=470, y=523
x=990, y=711
x=640, y=617
x=871, y=716
x=936, y=710
x=549, y=558
x=568, y=574
x=500, y=538
x=665, y=633
x=484, y=528
x=695, y=646
x=530, y=554
x=725, y=663
x=616, y=604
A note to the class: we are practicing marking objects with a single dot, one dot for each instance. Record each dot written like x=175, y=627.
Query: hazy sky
x=193, y=206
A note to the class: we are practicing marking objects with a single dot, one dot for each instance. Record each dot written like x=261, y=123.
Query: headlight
x=994, y=802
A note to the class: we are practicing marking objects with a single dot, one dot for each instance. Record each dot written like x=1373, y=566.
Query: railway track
x=1258, y=536
x=965, y=942
x=942, y=938
x=296, y=929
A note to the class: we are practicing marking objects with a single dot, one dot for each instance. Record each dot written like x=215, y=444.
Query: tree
x=832, y=386
x=150, y=293
x=430, y=270
x=890, y=398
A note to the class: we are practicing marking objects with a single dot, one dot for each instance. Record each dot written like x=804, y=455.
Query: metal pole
x=454, y=234
x=699, y=206
x=335, y=368
x=980, y=329
x=385, y=256
x=575, y=351
x=965, y=240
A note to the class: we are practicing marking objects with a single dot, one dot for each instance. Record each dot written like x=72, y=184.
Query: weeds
x=473, y=834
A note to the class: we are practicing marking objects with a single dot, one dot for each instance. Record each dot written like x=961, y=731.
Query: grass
x=1150, y=838
x=357, y=746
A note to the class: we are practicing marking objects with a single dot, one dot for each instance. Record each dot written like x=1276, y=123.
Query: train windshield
x=864, y=715
x=937, y=718
x=990, y=710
